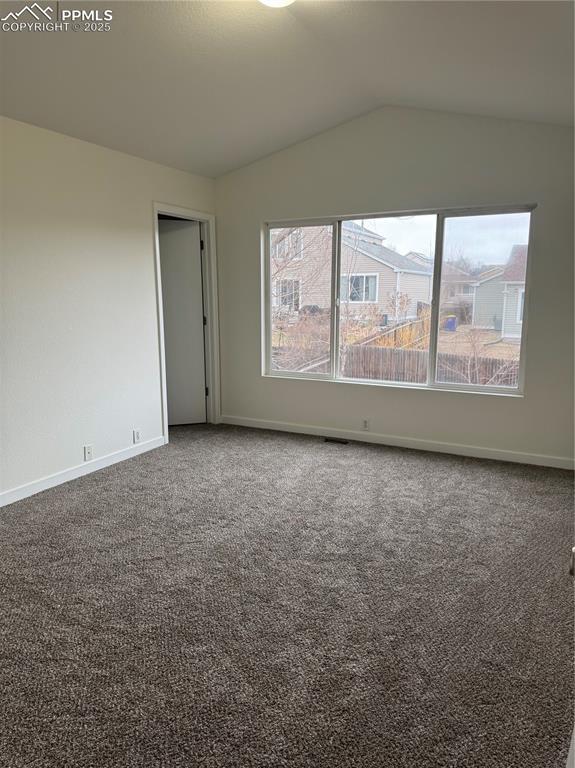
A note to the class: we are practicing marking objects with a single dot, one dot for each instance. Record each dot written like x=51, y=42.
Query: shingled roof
x=514, y=271
x=359, y=238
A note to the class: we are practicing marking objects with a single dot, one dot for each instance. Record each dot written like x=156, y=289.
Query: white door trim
x=210, y=287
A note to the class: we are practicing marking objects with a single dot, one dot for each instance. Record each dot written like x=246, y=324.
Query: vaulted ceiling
x=211, y=86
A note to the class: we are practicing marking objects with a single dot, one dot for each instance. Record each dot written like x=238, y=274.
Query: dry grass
x=463, y=341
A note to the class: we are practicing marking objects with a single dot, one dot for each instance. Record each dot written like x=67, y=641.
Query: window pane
x=370, y=287
x=520, y=309
x=481, y=299
x=356, y=288
x=384, y=334
x=288, y=292
x=300, y=288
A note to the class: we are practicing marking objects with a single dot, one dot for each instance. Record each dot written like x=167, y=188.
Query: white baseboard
x=29, y=489
x=561, y=462
x=36, y=486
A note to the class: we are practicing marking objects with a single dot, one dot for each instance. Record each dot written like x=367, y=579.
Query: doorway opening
x=185, y=294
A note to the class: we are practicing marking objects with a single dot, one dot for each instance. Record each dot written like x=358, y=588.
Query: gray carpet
x=250, y=599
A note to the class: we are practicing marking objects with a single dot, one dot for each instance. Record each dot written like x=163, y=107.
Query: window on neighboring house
x=288, y=244
x=287, y=292
x=299, y=271
x=399, y=323
x=520, y=303
x=359, y=288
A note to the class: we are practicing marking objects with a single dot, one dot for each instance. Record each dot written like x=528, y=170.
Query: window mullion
x=335, y=299
x=435, y=297
x=268, y=297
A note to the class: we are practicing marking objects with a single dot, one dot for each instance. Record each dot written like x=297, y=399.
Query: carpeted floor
x=245, y=598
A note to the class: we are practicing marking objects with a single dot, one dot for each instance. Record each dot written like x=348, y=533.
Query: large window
x=384, y=336
x=428, y=299
x=479, y=334
x=300, y=299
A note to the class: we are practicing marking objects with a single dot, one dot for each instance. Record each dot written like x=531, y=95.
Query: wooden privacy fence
x=409, y=334
x=410, y=365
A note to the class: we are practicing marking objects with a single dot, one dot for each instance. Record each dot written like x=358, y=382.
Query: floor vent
x=335, y=440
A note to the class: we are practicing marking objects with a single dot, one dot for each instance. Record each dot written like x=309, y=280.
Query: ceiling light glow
x=277, y=3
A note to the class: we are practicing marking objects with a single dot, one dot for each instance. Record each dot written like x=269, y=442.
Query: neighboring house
x=420, y=259
x=378, y=281
x=373, y=277
x=371, y=273
x=500, y=295
x=456, y=284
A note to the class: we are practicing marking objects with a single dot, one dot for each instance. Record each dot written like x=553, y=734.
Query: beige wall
x=353, y=262
x=79, y=345
x=314, y=274
x=313, y=270
x=401, y=159
x=417, y=287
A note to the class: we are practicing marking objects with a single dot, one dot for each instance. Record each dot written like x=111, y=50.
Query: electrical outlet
x=88, y=452
x=365, y=425
x=137, y=435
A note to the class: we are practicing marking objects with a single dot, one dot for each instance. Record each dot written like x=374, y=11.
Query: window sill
x=449, y=388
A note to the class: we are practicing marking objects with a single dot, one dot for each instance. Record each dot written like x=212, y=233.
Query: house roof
x=451, y=273
x=489, y=274
x=361, y=239
x=419, y=257
x=514, y=271
x=359, y=229
x=511, y=272
x=454, y=272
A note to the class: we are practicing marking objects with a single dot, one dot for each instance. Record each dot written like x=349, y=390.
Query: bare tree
x=300, y=260
x=473, y=367
x=398, y=304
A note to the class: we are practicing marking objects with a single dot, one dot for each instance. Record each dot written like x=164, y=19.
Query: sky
x=481, y=239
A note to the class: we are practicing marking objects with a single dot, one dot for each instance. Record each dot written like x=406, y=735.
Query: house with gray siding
x=500, y=295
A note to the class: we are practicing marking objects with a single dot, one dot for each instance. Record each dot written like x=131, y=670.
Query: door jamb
x=207, y=222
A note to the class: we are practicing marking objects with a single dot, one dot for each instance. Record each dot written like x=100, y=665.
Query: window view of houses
x=385, y=293
x=301, y=290
x=481, y=301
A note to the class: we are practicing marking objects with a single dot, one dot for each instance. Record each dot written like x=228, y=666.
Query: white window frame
x=364, y=275
x=334, y=373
